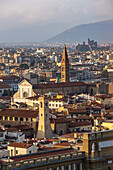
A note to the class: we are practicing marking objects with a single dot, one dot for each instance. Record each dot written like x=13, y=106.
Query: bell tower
x=65, y=66
x=44, y=127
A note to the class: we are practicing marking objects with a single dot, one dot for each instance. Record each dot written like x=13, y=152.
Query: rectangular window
x=62, y=76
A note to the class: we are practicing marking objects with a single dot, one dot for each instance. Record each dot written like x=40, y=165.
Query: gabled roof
x=25, y=81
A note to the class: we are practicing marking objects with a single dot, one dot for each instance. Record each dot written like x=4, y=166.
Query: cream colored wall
x=22, y=151
x=107, y=125
x=88, y=127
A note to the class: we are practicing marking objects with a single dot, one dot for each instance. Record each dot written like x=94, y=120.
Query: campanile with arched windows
x=65, y=66
x=44, y=127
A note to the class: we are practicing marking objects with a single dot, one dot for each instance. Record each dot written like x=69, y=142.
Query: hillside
x=102, y=32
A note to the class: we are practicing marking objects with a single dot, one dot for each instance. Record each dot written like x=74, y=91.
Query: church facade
x=27, y=89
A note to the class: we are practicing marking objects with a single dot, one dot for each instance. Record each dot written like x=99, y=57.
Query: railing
x=43, y=160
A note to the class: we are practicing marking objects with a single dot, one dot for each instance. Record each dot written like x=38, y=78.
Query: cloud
x=18, y=13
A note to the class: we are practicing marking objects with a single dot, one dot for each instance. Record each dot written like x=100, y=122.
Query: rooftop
x=19, y=113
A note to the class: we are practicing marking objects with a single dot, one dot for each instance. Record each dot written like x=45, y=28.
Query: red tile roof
x=40, y=155
x=9, y=77
x=19, y=113
x=62, y=144
x=83, y=117
x=77, y=124
x=72, y=110
x=3, y=85
x=58, y=85
x=58, y=121
x=20, y=145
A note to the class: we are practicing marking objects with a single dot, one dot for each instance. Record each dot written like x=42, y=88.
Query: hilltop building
x=83, y=47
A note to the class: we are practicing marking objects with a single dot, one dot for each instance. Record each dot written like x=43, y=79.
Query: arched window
x=91, y=91
x=62, y=68
x=46, y=104
x=41, y=104
x=25, y=94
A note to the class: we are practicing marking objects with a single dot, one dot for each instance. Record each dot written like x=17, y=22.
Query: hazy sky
x=19, y=13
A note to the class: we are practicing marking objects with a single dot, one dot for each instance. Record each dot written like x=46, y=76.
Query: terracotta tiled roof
x=9, y=77
x=109, y=115
x=39, y=155
x=83, y=117
x=77, y=124
x=20, y=145
x=3, y=85
x=34, y=97
x=96, y=114
x=22, y=127
x=58, y=85
x=56, y=121
x=69, y=135
x=61, y=144
x=103, y=96
x=59, y=99
x=97, y=104
x=110, y=110
x=5, y=97
x=19, y=113
x=12, y=129
x=72, y=110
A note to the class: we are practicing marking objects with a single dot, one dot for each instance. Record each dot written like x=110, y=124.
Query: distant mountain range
x=102, y=32
x=32, y=33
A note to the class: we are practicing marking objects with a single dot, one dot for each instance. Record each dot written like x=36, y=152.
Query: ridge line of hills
x=101, y=32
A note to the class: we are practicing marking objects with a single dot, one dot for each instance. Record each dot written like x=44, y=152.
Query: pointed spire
x=65, y=56
x=65, y=66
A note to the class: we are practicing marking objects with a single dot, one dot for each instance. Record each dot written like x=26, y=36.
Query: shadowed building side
x=44, y=128
x=65, y=66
